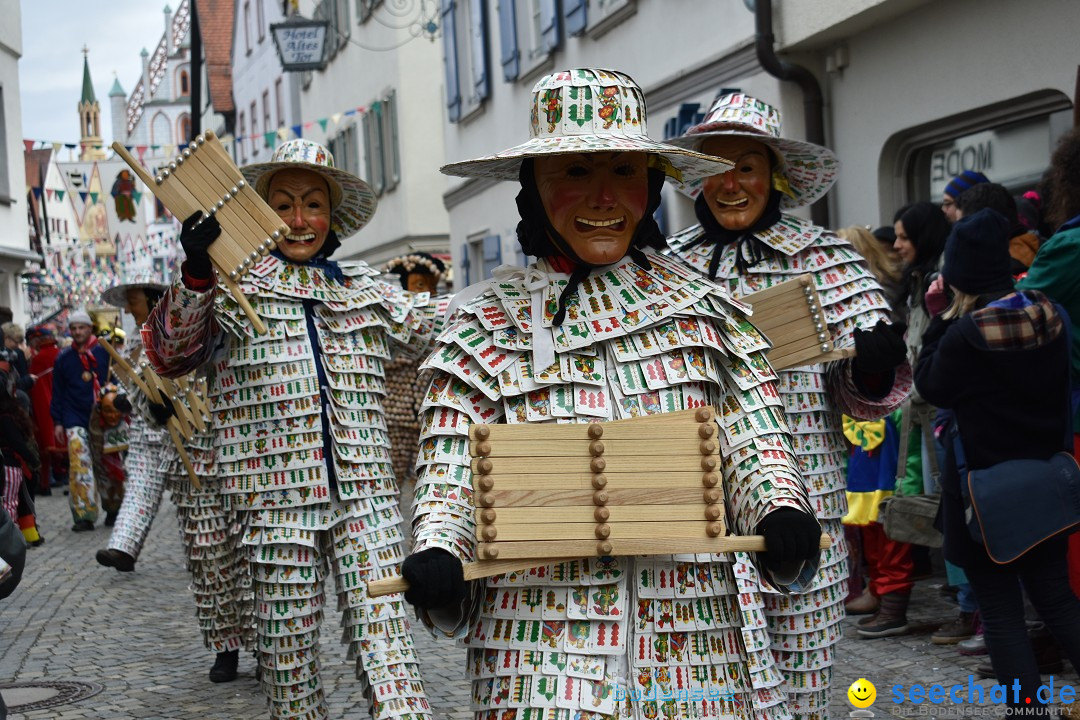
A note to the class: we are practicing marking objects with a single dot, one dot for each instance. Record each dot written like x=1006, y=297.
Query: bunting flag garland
x=282, y=133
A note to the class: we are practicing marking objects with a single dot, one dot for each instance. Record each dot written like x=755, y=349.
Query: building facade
x=914, y=91
x=15, y=250
x=376, y=106
x=266, y=99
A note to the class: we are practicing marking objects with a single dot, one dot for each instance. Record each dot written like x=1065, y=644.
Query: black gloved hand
x=121, y=403
x=435, y=578
x=791, y=538
x=162, y=411
x=196, y=242
x=881, y=349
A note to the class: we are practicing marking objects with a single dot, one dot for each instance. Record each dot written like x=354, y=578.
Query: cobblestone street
x=134, y=635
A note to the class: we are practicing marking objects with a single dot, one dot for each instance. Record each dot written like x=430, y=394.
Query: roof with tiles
x=216, y=26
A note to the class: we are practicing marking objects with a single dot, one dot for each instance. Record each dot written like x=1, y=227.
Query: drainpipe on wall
x=196, y=74
x=813, y=103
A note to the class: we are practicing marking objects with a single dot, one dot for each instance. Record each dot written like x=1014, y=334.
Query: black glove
x=196, y=242
x=435, y=579
x=162, y=411
x=881, y=349
x=791, y=538
x=121, y=403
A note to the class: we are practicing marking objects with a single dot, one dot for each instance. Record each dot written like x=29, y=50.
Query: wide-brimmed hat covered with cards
x=584, y=111
x=139, y=280
x=806, y=171
x=352, y=200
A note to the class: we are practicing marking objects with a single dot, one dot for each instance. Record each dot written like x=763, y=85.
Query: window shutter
x=549, y=24
x=492, y=252
x=575, y=13
x=511, y=55
x=450, y=61
x=478, y=37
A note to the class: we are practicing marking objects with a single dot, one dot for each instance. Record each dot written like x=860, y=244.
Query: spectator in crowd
x=1023, y=243
x=920, y=230
x=44, y=350
x=1053, y=272
x=78, y=375
x=962, y=182
x=18, y=458
x=874, y=446
x=978, y=359
x=15, y=347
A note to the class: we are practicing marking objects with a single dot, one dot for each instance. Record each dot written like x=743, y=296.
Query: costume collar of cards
x=612, y=302
x=790, y=236
x=272, y=278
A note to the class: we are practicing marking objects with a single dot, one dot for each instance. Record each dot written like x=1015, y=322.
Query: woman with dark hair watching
x=1053, y=272
x=921, y=229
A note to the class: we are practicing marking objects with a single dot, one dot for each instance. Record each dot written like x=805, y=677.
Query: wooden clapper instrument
x=204, y=177
x=547, y=493
x=156, y=387
x=790, y=316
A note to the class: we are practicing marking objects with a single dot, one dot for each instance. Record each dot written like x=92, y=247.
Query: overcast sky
x=50, y=70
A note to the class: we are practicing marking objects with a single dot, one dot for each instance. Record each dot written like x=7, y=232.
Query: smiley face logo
x=862, y=693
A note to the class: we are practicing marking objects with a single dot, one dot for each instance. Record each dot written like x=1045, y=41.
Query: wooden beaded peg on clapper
x=204, y=177
x=547, y=493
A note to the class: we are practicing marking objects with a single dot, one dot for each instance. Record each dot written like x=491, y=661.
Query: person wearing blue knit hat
x=960, y=183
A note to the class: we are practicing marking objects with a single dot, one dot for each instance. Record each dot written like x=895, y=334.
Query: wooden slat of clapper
x=584, y=497
x=659, y=466
x=584, y=481
x=124, y=367
x=184, y=389
x=561, y=449
x=789, y=314
x=204, y=178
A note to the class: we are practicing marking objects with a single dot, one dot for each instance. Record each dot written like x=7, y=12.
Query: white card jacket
x=302, y=448
x=813, y=399
x=647, y=637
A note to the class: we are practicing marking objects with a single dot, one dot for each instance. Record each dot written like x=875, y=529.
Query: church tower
x=89, y=117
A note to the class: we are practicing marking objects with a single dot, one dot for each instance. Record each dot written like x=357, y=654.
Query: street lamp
x=301, y=43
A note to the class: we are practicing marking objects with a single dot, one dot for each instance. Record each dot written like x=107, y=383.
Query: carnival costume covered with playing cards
x=146, y=441
x=746, y=243
x=209, y=527
x=301, y=439
x=567, y=341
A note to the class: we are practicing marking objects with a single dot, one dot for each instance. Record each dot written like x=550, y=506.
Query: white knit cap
x=79, y=316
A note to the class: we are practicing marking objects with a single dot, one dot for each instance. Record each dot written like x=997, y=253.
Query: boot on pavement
x=225, y=664
x=962, y=628
x=890, y=619
x=865, y=604
x=116, y=559
x=1047, y=653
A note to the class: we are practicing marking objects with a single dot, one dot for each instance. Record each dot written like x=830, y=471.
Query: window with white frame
x=345, y=150
x=240, y=140
x=260, y=18
x=5, y=181
x=465, y=56
x=256, y=141
x=267, y=127
x=482, y=254
x=606, y=14
x=382, y=161
x=529, y=31
x=279, y=101
x=247, y=26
